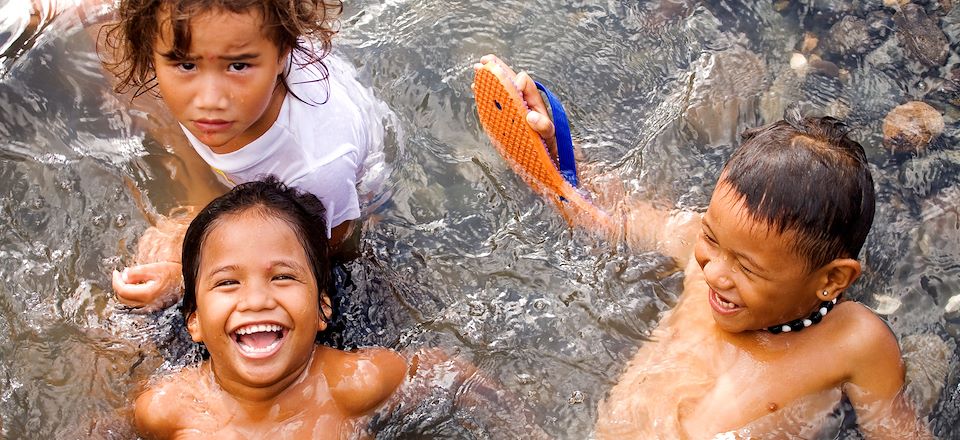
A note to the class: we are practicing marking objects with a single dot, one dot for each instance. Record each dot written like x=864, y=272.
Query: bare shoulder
x=872, y=350
x=158, y=409
x=361, y=380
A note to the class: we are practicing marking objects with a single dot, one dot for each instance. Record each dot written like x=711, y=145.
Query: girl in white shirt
x=254, y=98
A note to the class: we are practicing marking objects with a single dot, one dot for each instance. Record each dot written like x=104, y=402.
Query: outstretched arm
x=640, y=223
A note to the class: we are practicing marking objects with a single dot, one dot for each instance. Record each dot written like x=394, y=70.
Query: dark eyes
x=233, y=67
x=232, y=282
x=227, y=282
x=709, y=238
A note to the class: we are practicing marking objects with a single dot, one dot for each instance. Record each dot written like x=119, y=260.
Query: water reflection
x=462, y=256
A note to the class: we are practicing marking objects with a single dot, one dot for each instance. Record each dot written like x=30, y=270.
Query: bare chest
x=310, y=417
x=692, y=383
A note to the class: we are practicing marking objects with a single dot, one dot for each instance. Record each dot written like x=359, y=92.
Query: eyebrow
x=290, y=264
x=224, y=268
x=755, y=267
x=171, y=55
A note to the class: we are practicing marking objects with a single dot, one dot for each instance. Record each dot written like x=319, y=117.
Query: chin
x=729, y=326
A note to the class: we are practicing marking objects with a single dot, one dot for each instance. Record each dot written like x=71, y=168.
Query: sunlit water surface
x=462, y=256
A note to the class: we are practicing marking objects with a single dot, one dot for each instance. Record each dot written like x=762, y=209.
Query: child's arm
x=640, y=223
x=154, y=416
x=364, y=379
x=155, y=281
x=875, y=386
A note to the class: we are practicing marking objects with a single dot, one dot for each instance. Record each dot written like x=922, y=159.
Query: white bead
x=807, y=323
x=786, y=329
x=823, y=311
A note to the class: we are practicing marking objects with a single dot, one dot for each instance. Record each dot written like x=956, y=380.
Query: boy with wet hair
x=762, y=342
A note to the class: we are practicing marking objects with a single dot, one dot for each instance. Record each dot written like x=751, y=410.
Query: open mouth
x=721, y=305
x=259, y=340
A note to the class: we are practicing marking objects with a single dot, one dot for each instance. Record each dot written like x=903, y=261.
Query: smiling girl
x=254, y=93
x=257, y=273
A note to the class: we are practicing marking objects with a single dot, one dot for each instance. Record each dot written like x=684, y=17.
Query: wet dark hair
x=130, y=41
x=302, y=211
x=806, y=176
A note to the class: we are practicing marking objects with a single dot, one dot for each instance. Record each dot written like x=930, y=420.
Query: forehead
x=251, y=234
x=216, y=27
x=736, y=228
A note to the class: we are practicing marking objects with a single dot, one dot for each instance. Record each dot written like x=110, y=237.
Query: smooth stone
x=953, y=304
x=798, y=61
x=910, y=127
x=886, y=304
x=810, y=42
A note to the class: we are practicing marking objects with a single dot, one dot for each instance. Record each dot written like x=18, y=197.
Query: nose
x=716, y=271
x=255, y=298
x=212, y=94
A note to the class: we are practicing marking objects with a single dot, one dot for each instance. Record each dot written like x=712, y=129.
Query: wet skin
x=714, y=369
x=258, y=311
x=226, y=90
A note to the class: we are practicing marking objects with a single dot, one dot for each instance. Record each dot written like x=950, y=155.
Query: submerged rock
x=944, y=94
x=879, y=25
x=927, y=360
x=810, y=42
x=923, y=39
x=910, y=127
x=831, y=6
x=849, y=36
x=723, y=92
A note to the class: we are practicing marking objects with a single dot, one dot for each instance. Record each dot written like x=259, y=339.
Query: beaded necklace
x=800, y=324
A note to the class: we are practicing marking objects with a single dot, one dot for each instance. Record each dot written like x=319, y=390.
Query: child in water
x=249, y=85
x=762, y=342
x=257, y=273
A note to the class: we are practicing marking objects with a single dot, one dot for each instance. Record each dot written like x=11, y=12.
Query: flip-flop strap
x=568, y=165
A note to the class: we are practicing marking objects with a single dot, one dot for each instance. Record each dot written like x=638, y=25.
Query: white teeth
x=725, y=304
x=246, y=330
x=250, y=349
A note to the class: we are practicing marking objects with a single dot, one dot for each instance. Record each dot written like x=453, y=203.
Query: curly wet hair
x=303, y=27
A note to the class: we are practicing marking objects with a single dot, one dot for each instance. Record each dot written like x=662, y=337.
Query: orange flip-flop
x=503, y=112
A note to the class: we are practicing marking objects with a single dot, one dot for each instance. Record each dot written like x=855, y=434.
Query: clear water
x=463, y=256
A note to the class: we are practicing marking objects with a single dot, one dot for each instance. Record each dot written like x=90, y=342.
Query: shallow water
x=463, y=256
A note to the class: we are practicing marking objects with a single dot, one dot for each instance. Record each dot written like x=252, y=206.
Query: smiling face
x=755, y=278
x=257, y=307
x=226, y=90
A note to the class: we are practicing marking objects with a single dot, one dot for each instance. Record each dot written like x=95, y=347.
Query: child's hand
x=537, y=116
x=149, y=287
x=162, y=242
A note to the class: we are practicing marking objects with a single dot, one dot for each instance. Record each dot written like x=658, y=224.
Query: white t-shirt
x=318, y=143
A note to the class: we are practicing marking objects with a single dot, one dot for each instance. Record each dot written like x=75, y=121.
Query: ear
x=839, y=274
x=325, y=312
x=193, y=327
